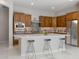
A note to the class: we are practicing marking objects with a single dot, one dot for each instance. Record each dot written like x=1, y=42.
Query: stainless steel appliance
x=19, y=27
x=72, y=32
x=35, y=25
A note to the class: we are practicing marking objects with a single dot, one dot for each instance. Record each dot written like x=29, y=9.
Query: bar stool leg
x=62, y=43
x=47, y=48
x=31, y=50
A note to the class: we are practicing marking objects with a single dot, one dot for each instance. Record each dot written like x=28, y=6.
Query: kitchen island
x=56, y=43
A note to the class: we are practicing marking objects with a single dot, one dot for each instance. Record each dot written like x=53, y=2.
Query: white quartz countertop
x=38, y=35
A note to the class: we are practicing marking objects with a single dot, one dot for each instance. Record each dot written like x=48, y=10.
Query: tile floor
x=13, y=53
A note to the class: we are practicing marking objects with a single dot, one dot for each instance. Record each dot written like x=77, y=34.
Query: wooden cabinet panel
x=61, y=21
x=28, y=20
x=48, y=21
x=53, y=22
x=69, y=17
x=42, y=21
x=72, y=16
x=16, y=17
x=75, y=15
x=45, y=21
x=21, y=17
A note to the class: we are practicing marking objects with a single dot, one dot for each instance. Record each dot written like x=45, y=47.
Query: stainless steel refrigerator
x=72, y=32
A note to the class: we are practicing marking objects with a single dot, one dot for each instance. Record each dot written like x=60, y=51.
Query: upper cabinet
x=61, y=21
x=28, y=20
x=54, y=22
x=46, y=21
x=21, y=17
x=72, y=16
x=42, y=21
x=17, y=17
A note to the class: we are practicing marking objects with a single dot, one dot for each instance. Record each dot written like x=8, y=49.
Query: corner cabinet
x=72, y=16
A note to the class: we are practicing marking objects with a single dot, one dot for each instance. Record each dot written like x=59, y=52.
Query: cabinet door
x=61, y=21
x=75, y=15
x=69, y=17
x=19, y=17
x=16, y=17
x=28, y=20
x=42, y=21
x=22, y=18
x=58, y=22
x=53, y=22
x=72, y=16
x=48, y=22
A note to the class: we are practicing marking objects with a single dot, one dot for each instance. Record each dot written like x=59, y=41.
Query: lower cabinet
x=15, y=42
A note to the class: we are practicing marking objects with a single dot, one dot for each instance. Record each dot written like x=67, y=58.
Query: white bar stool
x=62, y=43
x=47, y=48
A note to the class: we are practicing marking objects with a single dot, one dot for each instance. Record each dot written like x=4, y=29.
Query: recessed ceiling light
x=32, y=4
x=53, y=8
x=70, y=0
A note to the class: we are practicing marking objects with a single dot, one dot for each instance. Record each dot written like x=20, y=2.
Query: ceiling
x=47, y=5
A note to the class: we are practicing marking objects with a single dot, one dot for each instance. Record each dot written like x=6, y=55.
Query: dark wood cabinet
x=61, y=21
x=28, y=20
x=54, y=22
x=42, y=21
x=72, y=16
x=46, y=21
x=17, y=16
x=21, y=17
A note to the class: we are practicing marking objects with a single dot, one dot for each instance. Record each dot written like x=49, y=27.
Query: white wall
x=9, y=4
x=66, y=10
x=33, y=12
x=4, y=25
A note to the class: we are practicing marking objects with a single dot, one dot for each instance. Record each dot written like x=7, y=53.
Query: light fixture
x=71, y=0
x=32, y=3
x=52, y=8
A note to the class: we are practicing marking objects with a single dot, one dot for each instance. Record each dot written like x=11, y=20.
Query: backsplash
x=48, y=29
x=61, y=30
x=54, y=29
x=28, y=30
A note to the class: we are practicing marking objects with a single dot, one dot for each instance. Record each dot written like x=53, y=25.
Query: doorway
x=4, y=26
